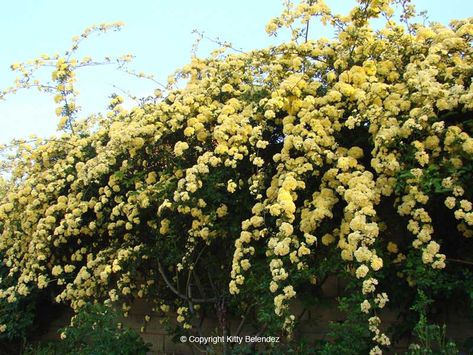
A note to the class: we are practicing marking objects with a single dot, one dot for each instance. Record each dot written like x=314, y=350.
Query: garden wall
x=314, y=324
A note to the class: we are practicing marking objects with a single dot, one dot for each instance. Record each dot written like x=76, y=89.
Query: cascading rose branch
x=63, y=77
x=270, y=128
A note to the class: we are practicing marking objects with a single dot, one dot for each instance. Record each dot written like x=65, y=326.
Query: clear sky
x=157, y=32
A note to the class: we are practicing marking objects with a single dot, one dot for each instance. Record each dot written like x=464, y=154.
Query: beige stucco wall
x=314, y=324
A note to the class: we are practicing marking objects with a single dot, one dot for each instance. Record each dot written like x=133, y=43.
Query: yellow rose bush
x=257, y=176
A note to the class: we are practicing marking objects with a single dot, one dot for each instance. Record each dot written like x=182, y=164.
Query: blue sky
x=158, y=33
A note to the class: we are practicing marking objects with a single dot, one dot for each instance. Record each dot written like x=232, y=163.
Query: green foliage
x=95, y=330
x=17, y=317
x=431, y=338
x=17, y=314
x=350, y=336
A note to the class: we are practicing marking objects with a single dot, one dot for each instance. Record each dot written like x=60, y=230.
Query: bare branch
x=460, y=261
x=243, y=318
x=179, y=294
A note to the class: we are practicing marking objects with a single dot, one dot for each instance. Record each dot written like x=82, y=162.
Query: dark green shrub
x=95, y=330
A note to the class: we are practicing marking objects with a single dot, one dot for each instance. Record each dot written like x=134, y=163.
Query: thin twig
x=460, y=261
x=179, y=294
x=199, y=284
x=307, y=31
x=243, y=319
x=217, y=41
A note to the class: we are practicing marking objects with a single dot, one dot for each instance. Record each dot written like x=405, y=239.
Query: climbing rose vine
x=254, y=171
